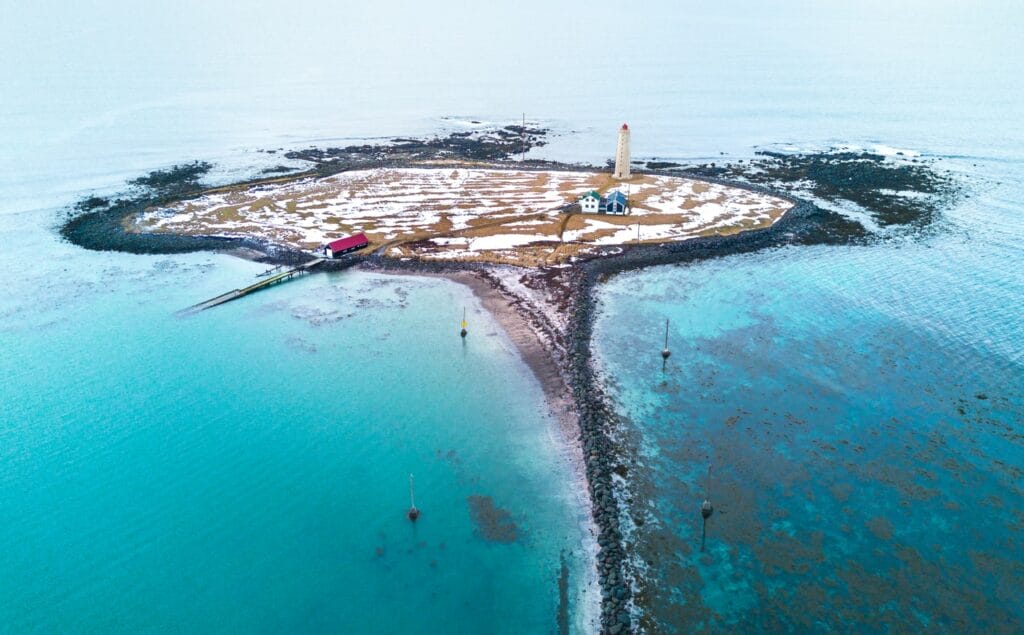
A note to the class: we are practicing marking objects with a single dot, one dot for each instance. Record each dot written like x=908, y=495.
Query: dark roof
x=592, y=194
x=348, y=242
x=616, y=197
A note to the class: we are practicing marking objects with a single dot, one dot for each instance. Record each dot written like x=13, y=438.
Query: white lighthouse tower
x=622, y=154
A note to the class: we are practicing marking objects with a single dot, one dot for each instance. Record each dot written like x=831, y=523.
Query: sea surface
x=854, y=413
x=247, y=469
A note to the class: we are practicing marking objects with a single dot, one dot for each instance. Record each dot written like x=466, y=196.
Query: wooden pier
x=252, y=288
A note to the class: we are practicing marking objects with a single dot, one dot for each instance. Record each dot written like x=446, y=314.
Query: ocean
x=248, y=469
x=854, y=413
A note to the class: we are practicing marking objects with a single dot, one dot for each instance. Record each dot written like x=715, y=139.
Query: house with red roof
x=345, y=245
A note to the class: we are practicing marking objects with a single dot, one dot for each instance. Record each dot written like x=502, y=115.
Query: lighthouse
x=622, y=154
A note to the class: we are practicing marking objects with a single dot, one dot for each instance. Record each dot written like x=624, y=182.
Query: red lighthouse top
x=625, y=126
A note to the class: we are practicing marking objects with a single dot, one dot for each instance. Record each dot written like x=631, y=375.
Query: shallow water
x=164, y=474
x=246, y=468
x=854, y=414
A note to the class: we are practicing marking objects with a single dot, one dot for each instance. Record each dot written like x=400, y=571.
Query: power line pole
x=522, y=136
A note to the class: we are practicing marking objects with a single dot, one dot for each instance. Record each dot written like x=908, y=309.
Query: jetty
x=252, y=288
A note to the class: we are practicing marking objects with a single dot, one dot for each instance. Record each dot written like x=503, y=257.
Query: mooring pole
x=413, y=512
x=706, y=509
x=665, y=353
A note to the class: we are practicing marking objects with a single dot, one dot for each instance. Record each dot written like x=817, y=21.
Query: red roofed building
x=345, y=245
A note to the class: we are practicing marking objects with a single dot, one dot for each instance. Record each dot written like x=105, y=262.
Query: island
x=532, y=238
x=468, y=214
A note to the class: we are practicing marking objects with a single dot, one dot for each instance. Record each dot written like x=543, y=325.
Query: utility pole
x=522, y=142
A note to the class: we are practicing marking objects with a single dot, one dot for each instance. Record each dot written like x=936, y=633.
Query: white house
x=591, y=202
x=615, y=203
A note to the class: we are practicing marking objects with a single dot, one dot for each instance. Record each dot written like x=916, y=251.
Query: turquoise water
x=855, y=416
x=246, y=469
x=239, y=470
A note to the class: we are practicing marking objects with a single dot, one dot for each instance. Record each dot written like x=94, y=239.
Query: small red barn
x=345, y=245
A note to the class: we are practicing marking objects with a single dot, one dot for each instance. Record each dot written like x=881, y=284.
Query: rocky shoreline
x=568, y=346
x=558, y=306
x=562, y=360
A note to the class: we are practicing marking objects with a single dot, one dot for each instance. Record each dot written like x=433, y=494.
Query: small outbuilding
x=345, y=245
x=615, y=203
x=591, y=202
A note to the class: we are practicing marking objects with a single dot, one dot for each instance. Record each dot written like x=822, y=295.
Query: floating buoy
x=464, y=323
x=706, y=509
x=413, y=513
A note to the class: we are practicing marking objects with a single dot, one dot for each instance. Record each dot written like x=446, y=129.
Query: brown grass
x=243, y=208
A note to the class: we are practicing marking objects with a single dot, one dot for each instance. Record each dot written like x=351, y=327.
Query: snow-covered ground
x=464, y=213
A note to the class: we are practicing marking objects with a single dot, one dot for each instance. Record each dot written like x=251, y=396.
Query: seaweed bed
x=903, y=193
x=99, y=223
x=890, y=191
x=493, y=523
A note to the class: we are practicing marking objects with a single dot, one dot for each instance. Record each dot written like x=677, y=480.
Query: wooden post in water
x=413, y=512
